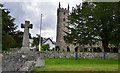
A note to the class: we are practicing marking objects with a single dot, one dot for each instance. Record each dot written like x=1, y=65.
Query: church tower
x=62, y=19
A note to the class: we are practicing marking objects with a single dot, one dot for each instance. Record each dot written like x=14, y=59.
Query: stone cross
x=26, y=27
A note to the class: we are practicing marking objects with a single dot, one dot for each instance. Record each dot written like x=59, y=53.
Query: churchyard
x=59, y=61
x=24, y=59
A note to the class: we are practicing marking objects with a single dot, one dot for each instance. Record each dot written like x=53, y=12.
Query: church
x=62, y=19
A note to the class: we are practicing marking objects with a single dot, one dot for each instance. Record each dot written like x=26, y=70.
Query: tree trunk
x=105, y=47
x=118, y=48
x=119, y=52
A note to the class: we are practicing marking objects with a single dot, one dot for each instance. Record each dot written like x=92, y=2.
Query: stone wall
x=80, y=55
x=17, y=61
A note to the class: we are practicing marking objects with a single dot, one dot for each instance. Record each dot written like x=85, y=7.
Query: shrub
x=8, y=42
x=45, y=47
x=99, y=49
x=115, y=50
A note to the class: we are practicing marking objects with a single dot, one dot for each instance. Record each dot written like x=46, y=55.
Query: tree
x=107, y=23
x=1, y=25
x=77, y=26
x=45, y=47
x=8, y=29
x=36, y=40
x=92, y=22
x=18, y=36
x=116, y=38
x=8, y=25
x=8, y=42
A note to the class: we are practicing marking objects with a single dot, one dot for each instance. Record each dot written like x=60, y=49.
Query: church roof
x=47, y=40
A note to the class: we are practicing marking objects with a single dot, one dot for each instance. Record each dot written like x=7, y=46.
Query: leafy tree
x=8, y=29
x=106, y=22
x=1, y=26
x=36, y=40
x=18, y=36
x=77, y=34
x=92, y=22
x=8, y=25
x=116, y=38
x=8, y=42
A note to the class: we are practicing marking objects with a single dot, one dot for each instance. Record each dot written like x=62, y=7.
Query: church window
x=64, y=13
x=63, y=19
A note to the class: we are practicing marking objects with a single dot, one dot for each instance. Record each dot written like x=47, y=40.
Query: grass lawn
x=60, y=64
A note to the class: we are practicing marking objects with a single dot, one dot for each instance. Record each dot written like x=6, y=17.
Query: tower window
x=63, y=19
x=64, y=13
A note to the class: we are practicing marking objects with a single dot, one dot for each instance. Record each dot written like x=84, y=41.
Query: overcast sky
x=31, y=11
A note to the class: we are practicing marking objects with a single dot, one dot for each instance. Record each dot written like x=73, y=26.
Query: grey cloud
x=49, y=20
x=16, y=11
x=31, y=11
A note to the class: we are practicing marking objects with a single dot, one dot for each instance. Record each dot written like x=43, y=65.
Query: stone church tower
x=62, y=14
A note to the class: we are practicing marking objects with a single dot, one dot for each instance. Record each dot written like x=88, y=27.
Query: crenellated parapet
x=63, y=10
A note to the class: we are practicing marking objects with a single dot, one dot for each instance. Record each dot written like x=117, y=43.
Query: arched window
x=63, y=19
x=64, y=13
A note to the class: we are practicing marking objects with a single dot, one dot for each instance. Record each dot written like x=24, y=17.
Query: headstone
x=25, y=43
x=40, y=63
x=26, y=27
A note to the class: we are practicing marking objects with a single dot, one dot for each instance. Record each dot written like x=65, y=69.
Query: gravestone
x=26, y=27
x=25, y=44
x=23, y=59
x=40, y=63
